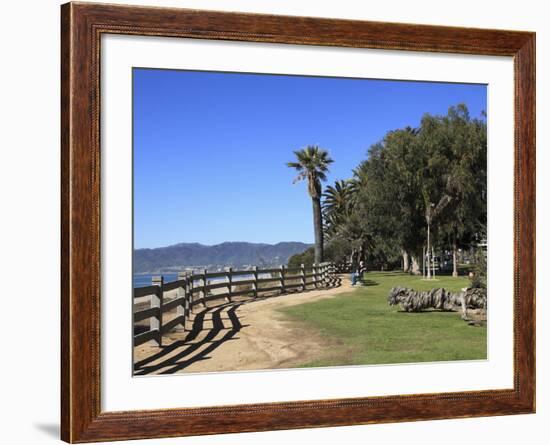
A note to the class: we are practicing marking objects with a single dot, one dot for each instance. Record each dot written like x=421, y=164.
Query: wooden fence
x=192, y=289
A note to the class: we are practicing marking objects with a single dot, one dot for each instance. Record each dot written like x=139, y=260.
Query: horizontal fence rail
x=195, y=288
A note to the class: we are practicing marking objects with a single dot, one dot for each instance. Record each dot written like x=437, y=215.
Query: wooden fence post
x=204, y=292
x=303, y=277
x=156, y=301
x=229, y=284
x=315, y=272
x=255, y=284
x=182, y=292
x=282, y=276
x=190, y=291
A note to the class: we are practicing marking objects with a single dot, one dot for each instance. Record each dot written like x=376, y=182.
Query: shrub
x=305, y=258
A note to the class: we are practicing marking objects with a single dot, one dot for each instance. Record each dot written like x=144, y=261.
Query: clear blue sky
x=210, y=148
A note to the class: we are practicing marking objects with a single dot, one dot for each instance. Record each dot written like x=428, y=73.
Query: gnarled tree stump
x=411, y=300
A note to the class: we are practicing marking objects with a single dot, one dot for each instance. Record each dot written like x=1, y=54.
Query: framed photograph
x=274, y=222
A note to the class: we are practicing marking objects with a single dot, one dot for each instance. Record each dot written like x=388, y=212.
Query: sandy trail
x=242, y=335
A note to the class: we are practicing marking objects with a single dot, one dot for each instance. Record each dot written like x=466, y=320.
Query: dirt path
x=248, y=334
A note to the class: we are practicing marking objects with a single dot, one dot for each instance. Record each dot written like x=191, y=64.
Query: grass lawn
x=366, y=330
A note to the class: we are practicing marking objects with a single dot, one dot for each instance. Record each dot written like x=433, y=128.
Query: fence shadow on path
x=189, y=350
x=183, y=353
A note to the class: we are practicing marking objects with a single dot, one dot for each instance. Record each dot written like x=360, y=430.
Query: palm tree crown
x=312, y=164
x=338, y=196
x=337, y=205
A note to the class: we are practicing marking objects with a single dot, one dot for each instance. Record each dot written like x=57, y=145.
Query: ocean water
x=142, y=280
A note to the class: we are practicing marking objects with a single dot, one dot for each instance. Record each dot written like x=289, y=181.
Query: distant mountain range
x=234, y=254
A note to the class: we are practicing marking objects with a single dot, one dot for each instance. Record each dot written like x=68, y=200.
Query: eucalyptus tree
x=465, y=219
x=406, y=159
x=453, y=179
x=436, y=177
x=393, y=198
x=312, y=166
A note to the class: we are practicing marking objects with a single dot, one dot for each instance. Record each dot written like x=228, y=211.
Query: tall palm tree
x=312, y=164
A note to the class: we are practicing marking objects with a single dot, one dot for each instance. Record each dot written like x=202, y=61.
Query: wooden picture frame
x=82, y=25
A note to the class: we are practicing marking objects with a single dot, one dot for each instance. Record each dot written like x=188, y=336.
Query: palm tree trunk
x=318, y=230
